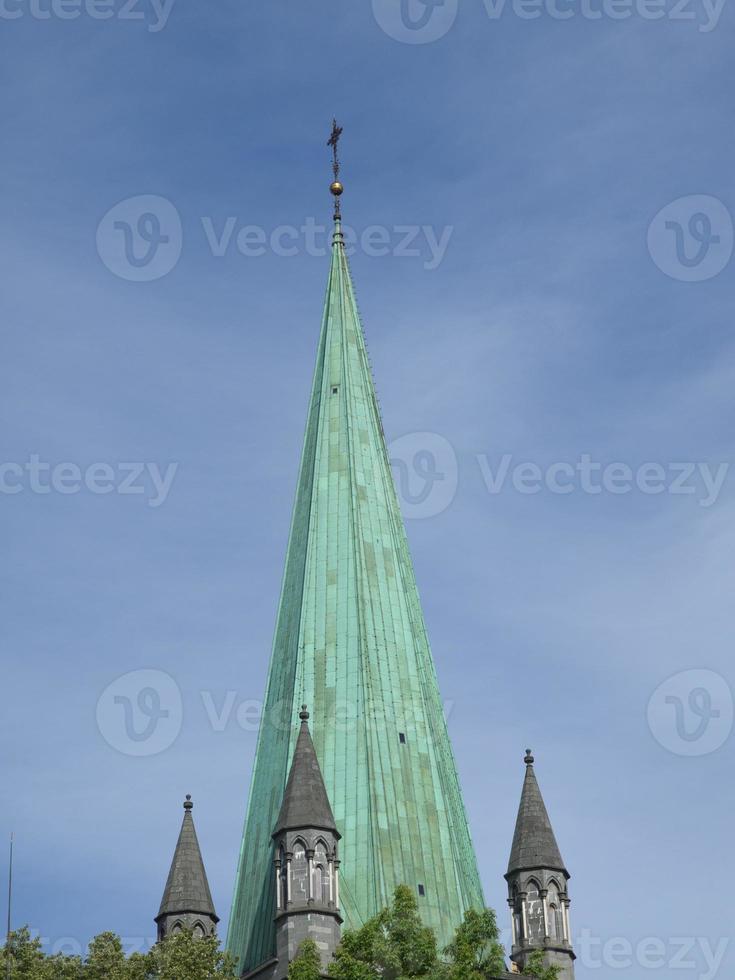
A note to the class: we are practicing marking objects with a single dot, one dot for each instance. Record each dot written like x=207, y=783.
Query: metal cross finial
x=333, y=142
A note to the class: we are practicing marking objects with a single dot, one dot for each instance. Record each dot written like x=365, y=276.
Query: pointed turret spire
x=187, y=900
x=537, y=885
x=534, y=843
x=305, y=800
x=306, y=863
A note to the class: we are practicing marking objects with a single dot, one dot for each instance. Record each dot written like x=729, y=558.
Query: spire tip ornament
x=336, y=188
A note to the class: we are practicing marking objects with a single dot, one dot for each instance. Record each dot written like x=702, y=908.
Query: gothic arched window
x=198, y=931
x=320, y=883
x=282, y=879
x=299, y=873
x=556, y=918
x=534, y=912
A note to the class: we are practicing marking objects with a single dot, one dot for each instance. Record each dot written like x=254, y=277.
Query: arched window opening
x=282, y=879
x=320, y=884
x=198, y=931
x=319, y=893
x=299, y=873
x=176, y=928
x=556, y=921
x=534, y=912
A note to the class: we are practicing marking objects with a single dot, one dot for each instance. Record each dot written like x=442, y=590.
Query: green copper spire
x=351, y=643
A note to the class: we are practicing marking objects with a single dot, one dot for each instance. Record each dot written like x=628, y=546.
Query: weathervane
x=336, y=187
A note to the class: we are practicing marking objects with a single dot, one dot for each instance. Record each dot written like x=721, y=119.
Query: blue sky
x=560, y=323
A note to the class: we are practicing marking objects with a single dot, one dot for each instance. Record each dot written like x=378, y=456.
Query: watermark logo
x=39, y=476
x=140, y=239
x=704, y=481
x=153, y=13
x=691, y=713
x=141, y=713
x=426, y=473
x=415, y=21
x=691, y=239
x=423, y=21
x=702, y=956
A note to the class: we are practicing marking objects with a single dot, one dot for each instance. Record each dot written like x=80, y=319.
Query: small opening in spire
x=335, y=389
x=422, y=891
x=402, y=738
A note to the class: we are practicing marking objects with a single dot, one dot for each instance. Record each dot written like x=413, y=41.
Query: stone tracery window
x=534, y=912
x=556, y=916
x=299, y=873
x=320, y=879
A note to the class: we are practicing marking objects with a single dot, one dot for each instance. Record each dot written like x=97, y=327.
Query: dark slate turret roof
x=534, y=844
x=187, y=888
x=305, y=801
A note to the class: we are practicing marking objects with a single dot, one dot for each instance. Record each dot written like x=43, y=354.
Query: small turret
x=306, y=859
x=537, y=885
x=187, y=900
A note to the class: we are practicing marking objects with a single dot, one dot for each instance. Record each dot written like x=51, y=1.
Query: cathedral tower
x=537, y=885
x=350, y=641
x=187, y=901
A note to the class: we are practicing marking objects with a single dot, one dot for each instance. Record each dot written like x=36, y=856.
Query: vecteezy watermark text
x=141, y=239
x=692, y=953
x=141, y=713
x=427, y=476
x=590, y=476
x=425, y=21
x=312, y=238
x=153, y=13
x=706, y=13
x=131, y=478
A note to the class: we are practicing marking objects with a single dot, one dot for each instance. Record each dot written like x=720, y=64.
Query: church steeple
x=187, y=900
x=350, y=640
x=537, y=884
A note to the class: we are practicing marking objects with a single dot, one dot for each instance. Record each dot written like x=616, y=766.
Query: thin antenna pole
x=10, y=906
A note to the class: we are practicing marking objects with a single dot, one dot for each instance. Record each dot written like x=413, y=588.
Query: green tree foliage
x=106, y=959
x=307, y=964
x=28, y=961
x=536, y=968
x=395, y=945
x=475, y=952
x=180, y=957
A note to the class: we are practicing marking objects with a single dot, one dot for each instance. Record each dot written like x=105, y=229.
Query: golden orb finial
x=336, y=188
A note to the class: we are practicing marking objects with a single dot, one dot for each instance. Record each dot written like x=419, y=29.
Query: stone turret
x=187, y=900
x=306, y=876
x=537, y=885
